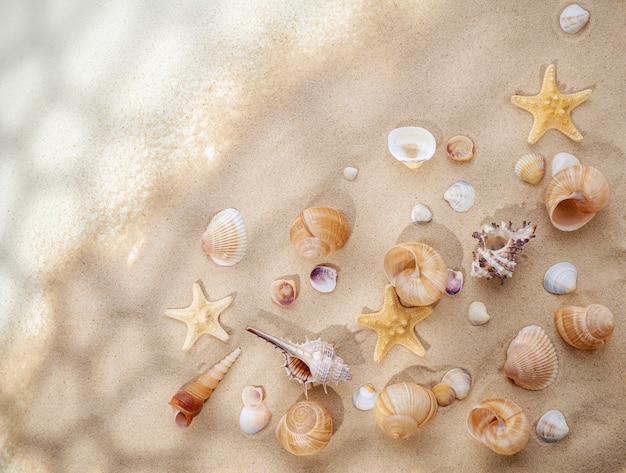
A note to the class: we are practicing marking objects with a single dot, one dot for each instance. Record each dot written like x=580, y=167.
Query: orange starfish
x=551, y=109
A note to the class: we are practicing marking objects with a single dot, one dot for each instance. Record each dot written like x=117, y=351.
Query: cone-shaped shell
x=560, y=278
x=460, y=380
x=499, y=424
x=530, y=168
x=552, y=426
x=418, y=273
x=364, y=398
x=575, y=194
x=401, y=408
x=317, y=231
x=531, y=359
x=225, y=240
x=305, y=429
x=586, y=328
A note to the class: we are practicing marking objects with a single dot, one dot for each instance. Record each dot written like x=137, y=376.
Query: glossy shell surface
x=421, y=213
x=585, y=328
x=477, y=313
x=364, y=398
x=552, y=426
x=283, y=292
x=411, y=145
x=573, y=18
x=460, y=380
x=560, y=278
x=460, y=148
x=460, y=196
x=318, y=231
x=530, y=168
x=305, y=429
x=323, y=278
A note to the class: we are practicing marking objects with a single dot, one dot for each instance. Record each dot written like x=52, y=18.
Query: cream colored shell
x=460, y=380
x=403, y=407
x=444, y=393
x=461, y=196
x=305, y=429
x=586, y=328
x=552, y=426
x=531, y=360
x=364, y=398
x=530, y=168
x=477, y=313
x=318, y=231
x=460, y=148
x=225, y=240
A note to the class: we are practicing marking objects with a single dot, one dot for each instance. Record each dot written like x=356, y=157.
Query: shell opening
x=495, y=242
x=181, y=420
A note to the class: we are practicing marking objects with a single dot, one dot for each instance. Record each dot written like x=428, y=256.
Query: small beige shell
x=305, y=429
x=586, y=328
x=364, y=398
x=499, y=424
x=444, y=393
x=531, y=359
x=283, y=292
x=318, y=231
x=573, y=18
x=460, y=148
x=530, y=168
x=460, y=380
x=421, y=214
x=552, y=426
x=254, y=414
x=403, y=407
x=460, y=196
x=478, y=313
x=225, y=240
x=562, y=161
x=560, y=278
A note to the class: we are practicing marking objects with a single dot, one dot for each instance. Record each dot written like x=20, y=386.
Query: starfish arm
x=537, y=131
x=191, y=338
x=220, y=306
x=179, y=314
x=214, y=328
x=413, y=344
x=577, y=98
x=548, y=87
x=383, y=345
x=569, y=130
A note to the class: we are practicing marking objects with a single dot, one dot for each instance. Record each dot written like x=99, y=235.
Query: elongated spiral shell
x=317, y=231
x=418, y=273
x=188, y=402
x=531, y=359
x=225, y=240
x=305, y=429
x=403, y=407
x=586, y=328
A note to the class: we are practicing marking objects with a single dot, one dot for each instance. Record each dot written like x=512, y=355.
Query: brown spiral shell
x=317, y=231
x=305, y=429
x=585, y=328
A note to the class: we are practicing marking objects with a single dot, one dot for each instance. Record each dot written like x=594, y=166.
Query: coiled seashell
x=560, y=278
x=455, y=282
x=311, y=362
x=575, y=194
x=573, y=18
x=444, y=393
x=305, y=429
x=365, y=397
x=586, y=328
x=254, y=414
x=317, y=231
x=460, y=380
x=188, y=402
x=283, y=292
x=531, y=359
x=552, y=426
x=562, y=161
x=498, y=246
x=499, y=424
x=460, y=196
x=418, y=273
x=478, y=313
x=403, y=407
x=421, y=214
x=323, y=278
x=530, y=168
x=411, y=145
x=225, y=240
x=460, y=148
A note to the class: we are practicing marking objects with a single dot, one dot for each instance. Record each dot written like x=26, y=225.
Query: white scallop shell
x=560, y=278
x=254, y=414
x=421, y=213
x=562, y=161
x=364, y=398
x=552, y=426
x=573, y=18
x=460, y=196
x=323, y=278
x=411, y=145
x=478, y=313
x=460, y=380
x=350, y=173
x=225, y=239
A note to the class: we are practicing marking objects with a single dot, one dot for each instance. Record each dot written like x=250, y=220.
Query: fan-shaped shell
x=560, y=278
x=364, y=398
x=460, y=380
x=254, y=415
x=418, y=273
x=411, y=145
x=563, y=160
x=575, y=194
x=573, y=18
x=283, y=292
x=499, y=424
x=460, y=148
x=225, y=240
x=552, y=426
x=460, y=196
x=586, y=328
x=318, y=231
x=305, y=429
x=403, y=407
x=530, y=168
x=531, y=359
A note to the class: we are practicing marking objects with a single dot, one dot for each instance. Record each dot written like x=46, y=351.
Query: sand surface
x=127, y=125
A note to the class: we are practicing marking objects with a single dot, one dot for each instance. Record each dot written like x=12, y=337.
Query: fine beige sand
x=127, y=125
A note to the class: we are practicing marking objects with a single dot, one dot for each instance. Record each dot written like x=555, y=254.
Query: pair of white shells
x=254, y=414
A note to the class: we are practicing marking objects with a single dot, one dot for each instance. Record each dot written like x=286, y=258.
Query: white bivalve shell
x=254, y=414
x=323, y=278
x=364, y=398
x=350, y=173
x=225, y=240
x=560, y=278
x=562, y=161
x=573, y=18
x=411, y=145
x=460, y=196
x=421, y=214
x=552, y=426
x=478, y=313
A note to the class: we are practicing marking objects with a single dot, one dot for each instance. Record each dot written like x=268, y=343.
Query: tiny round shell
x=460, y=380
x=364, y=398
x=552, y=426
x=323, y=278
x=283, y=292
x=531, y=360
x=562, y=161
x=305, y=429
x=478, y=313
x=460, y=148
x=573, y=18
x=444, y=393
x=560, y=278
x=460, y=196
x=225, y=239
x=530, y=168
x=350, y=173
x=421, y=214
x=585, y=328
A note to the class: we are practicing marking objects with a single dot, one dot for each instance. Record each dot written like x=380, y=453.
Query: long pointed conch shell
x=585, y=328
x=531, y=359
x=188, y=402
x=317, y=231
x=254, y=414
x=310, y=362
x=499, y=424
x=225, y=240
x=305, y=429
x=418, y=273
x=574, y=196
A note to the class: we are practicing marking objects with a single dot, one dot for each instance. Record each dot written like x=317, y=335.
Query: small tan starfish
x=201, y=317
x=551, y=109
x=395, y=325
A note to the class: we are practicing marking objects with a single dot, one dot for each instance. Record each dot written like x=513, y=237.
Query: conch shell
x=586, y=328
x=305, y=429
x=188, y=402
x=225, y=240
x=499, y=424
x=310, y=362
x=418, y=273
x=254, y=414
x=498, y=246
x=531, y=359
x=403, y=407
x=575, y=194
x=317, y=231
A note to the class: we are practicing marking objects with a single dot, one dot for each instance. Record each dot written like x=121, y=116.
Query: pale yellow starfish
x=201, y=317
x=395, y=325
x=551, y=109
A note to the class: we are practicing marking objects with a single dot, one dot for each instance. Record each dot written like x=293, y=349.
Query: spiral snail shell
x=317, y=231
x=586, y=328
x=305, y=429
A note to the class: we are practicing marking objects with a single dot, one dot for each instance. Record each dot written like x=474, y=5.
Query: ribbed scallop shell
x=460, y=196
x=531, y=359
x=586, y=328
x=530, y=168
x=305, y=429
x=560, y=278
x=552, y=426
x=403, y=407
x=364, y=398
x=460, y=380
x=499, y=424
x=318, y=231
x=225, y=240
x=254, y=415
x=563, y=160
x=460, y=148
x=283, y=292
x=418, y=273
x=575, y=194
x=573, y=18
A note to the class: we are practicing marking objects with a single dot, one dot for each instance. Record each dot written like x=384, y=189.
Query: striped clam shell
x=560, y=278
x=460, y=196
x=552, y=426
x=530, y=168
x=225, y=240
x=531, y=359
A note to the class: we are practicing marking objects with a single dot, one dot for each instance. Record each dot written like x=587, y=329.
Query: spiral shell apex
x=318, y=231
x=531, y=359
x=225, y=240
x=305, y=429
x=585, y=328
x=499, y=424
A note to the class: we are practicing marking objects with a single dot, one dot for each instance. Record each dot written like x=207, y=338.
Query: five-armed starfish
x=395, y=325
x=551, y=109
x=201, y=317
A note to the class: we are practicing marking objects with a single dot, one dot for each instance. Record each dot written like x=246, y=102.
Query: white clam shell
x=562, y=161
x=254, y=414
x=573, y=18
x=364, y=398
x=350, y=173
x=478, y=313
x=421, y=214
x=552, y=426
x=560, y=278
x=323, y=278
x=225, y=239
x=460, y=380
x=411, y=145
x=460, y=196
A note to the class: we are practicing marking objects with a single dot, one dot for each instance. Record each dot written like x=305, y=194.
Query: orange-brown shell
x=317, y=231
x=586, y=328
x=305, y=429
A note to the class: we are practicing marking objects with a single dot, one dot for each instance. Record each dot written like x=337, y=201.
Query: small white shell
x=225, y=239
x=460, y=380
x=552, y=426
x=350, y=173
x=460, y=196
x=478, y=313
x=421, y=214
x=411, y=145
x=364, y=398
x=573, y=18
x=560, y=278
x=254, y=415
x=530, y=168
x=562, y=161
x=323, y=278
x=455, y=282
